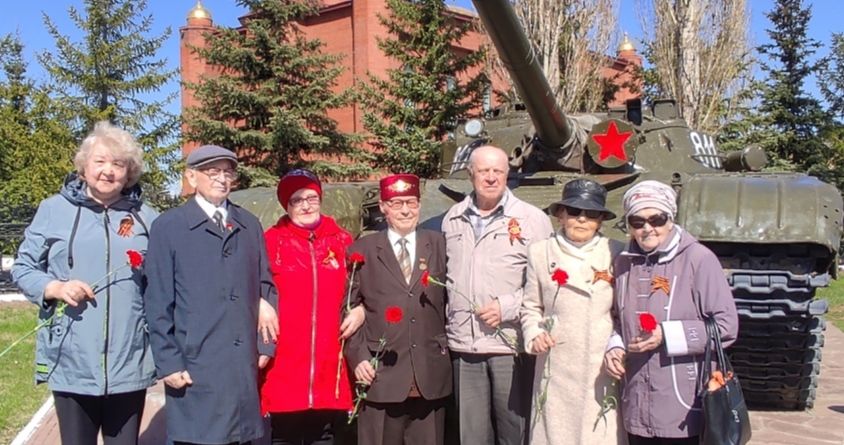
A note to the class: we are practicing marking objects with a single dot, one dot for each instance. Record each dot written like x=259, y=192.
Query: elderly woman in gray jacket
x=664, y=276
x=74, y=264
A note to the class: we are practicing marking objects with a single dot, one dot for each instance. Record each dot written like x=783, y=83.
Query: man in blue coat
x=207, y=273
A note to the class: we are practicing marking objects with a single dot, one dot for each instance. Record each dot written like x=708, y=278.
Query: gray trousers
x=493, y=395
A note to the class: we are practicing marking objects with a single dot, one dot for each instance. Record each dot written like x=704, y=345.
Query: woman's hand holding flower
x=647, y=341
x=71, y=292
x=542, y=343
x=614, y=363
x=267, y=322
x=352, y=322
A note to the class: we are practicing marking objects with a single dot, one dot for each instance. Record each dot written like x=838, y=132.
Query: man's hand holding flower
x=491, y=314
x=364, y=372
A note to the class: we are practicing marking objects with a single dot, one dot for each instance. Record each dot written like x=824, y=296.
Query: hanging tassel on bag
x=725, y=417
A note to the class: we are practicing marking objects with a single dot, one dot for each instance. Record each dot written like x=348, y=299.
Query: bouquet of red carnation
x=393, y=315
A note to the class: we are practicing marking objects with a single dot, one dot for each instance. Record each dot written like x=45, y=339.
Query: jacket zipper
x=313, y=322
x=108, y=300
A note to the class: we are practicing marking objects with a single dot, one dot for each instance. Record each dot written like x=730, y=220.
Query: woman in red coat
x=306, y=251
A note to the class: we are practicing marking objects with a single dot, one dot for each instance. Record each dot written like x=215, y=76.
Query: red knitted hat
x=294, y=180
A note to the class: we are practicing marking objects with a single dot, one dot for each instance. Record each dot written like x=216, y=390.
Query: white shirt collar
x=210, y=209
x=394, y=238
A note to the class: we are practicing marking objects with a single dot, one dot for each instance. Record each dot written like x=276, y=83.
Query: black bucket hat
x=583, y=194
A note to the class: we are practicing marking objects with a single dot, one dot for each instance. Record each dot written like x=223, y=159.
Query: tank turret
x=517, y=54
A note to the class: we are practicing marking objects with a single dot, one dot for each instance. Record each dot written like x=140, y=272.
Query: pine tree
x=411, y=112
x=831, y=78
x=795, y=117
x=110, y=74
x=831, y=82
x=36, y=147
x=270, y=101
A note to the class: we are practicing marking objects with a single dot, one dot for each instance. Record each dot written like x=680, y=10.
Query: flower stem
x=339, y=368
x=510, y=341
x=59, y=311
x=95, y=284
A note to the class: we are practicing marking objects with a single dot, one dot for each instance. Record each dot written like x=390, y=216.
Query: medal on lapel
x=660, y=283
x=601, y=275
x=423, y=264
x=125, y=228
x=515, y=231
x=331, y=260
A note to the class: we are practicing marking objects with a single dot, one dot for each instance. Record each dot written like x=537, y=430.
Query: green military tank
x=777, y=235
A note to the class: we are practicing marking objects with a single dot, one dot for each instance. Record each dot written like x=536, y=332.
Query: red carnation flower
x=560, y=276
x=393, y=314
x=647, y=322
x=425, y=279
x=356, y=258
x=135, y=258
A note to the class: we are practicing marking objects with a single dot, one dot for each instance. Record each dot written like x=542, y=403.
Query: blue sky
x=24, y=17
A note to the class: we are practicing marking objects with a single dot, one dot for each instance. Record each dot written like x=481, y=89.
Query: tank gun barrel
x=519, y=58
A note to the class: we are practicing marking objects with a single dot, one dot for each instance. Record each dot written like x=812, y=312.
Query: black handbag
x=725, y=417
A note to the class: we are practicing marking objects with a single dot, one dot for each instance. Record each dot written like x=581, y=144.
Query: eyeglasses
x=574, y=212
x=637, y=222
x=215, y=172
x=312, y=200
x=397, y=204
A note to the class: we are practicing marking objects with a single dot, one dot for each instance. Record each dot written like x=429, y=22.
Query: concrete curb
x=8, y=298
x=27, y=431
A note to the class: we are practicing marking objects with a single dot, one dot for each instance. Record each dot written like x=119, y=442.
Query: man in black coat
x=207, y=274
x=406, y=401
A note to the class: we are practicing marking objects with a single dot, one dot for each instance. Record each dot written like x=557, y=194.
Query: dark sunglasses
x=637, y=222
x=575, y=212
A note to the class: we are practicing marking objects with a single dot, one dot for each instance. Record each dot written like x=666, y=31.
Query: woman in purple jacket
x=667, y=273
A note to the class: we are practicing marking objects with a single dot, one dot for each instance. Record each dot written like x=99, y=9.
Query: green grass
x=835, y=295
x=19, y=397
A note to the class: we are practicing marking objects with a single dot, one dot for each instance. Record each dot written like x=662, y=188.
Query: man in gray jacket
x=487, y=238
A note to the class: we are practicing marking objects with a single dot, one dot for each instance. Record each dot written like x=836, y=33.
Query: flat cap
x=207, y=154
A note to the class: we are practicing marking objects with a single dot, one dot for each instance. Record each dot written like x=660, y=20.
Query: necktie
x=404, y=259
x=218, y=220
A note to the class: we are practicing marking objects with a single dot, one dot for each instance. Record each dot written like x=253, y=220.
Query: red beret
x=294, y=180
x=399, y=185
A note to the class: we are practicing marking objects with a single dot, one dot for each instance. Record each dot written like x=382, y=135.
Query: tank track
x=778, y=352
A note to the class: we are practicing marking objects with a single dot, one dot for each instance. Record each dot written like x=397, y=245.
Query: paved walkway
x=823, y=425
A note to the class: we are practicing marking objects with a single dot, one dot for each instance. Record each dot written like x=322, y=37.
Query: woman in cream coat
x=566, y=322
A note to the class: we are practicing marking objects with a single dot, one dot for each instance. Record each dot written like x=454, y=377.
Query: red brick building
x=351, y=28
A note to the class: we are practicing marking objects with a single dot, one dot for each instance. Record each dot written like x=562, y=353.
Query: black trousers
x=415, y=421
x=639, y=440
x=82, y=417
x=311, y=427
x=233, y=443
